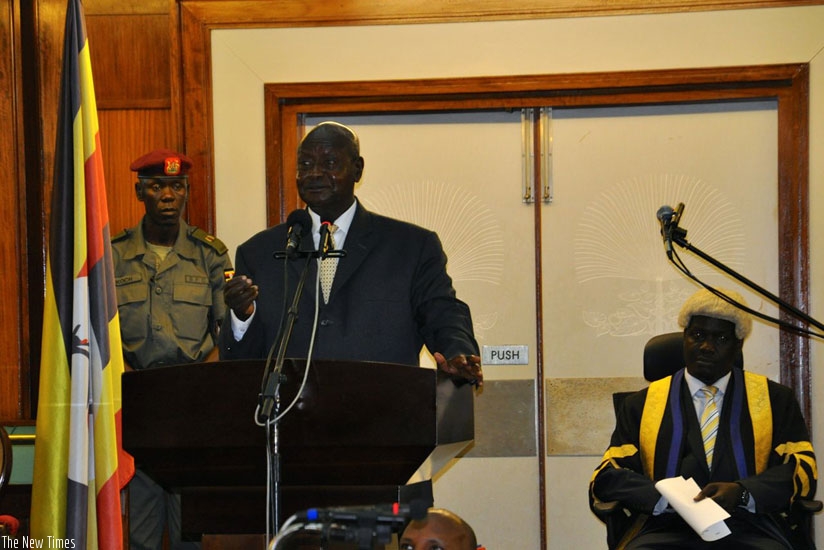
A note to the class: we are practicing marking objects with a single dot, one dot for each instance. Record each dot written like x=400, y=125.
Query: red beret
x=162, y=162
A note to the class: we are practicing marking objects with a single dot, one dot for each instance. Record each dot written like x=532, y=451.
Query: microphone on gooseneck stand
x=669, y=218
x=299, y=223
x=664, y=216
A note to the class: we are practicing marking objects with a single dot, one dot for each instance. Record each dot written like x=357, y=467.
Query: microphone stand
x=273, y=377
x=679, y=237
x=270, y=396
x=269, y=399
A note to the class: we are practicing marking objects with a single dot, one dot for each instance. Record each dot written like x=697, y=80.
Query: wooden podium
x=360, y=434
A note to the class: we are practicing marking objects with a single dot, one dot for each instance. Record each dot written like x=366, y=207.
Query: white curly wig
x=708, y=304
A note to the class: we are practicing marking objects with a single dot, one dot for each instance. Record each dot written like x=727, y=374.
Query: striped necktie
x=328, y=266
x=709, y=422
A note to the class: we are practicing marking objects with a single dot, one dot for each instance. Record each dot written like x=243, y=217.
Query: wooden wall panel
x=130, y=60
x=12, y=368
x=124, y=136
x=125, y=7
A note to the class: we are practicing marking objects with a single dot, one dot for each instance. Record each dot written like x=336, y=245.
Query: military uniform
x=169, y=309
x=169, y=300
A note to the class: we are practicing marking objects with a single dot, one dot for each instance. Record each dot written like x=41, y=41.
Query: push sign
x=505, y=355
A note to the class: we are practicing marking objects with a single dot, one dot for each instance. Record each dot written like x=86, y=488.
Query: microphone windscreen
x=300, y=217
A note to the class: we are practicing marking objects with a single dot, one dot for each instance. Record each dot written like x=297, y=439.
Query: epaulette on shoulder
x=120, y=236
x=210, y=240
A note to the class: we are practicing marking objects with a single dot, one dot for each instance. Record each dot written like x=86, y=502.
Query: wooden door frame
x=787, y=84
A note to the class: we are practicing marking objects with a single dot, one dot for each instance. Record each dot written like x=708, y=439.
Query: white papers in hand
x=706, y=517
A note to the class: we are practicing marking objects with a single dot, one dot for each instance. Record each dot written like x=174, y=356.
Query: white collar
x=695, y=384
x=343, y=222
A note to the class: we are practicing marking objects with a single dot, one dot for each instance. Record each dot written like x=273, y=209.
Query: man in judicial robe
x=758, y=460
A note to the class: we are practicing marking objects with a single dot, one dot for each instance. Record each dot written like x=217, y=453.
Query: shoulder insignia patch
x=211, y=240
x=122, y=235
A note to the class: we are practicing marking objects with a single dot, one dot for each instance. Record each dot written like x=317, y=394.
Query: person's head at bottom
x=439, y=530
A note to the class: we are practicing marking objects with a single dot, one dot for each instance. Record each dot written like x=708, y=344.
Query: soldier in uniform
x=169, y=278
x=169, y=275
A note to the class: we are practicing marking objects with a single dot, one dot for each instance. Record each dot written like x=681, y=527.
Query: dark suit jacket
x=391, y=295
x=621, y=474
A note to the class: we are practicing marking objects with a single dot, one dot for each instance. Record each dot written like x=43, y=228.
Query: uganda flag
x=79, y=465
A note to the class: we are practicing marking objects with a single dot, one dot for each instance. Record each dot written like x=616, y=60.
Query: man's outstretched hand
x=240, y=295
x=467, y=367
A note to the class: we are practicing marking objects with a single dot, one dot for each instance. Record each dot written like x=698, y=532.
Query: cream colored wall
x=244, y=59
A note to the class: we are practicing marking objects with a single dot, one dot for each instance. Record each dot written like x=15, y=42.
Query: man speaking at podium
x=389, y=293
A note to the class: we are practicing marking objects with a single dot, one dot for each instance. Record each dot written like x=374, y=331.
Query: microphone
x=379, y=514
x=363, y=525
x=325, y=239
x=668, y=218
x=298, y=222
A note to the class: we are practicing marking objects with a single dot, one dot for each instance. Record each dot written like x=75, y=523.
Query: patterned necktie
x=328, y=266
x=709, y=421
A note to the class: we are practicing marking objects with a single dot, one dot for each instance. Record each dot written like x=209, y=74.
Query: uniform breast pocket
x=190, y=311
x=132, y=307
x=131, y=289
